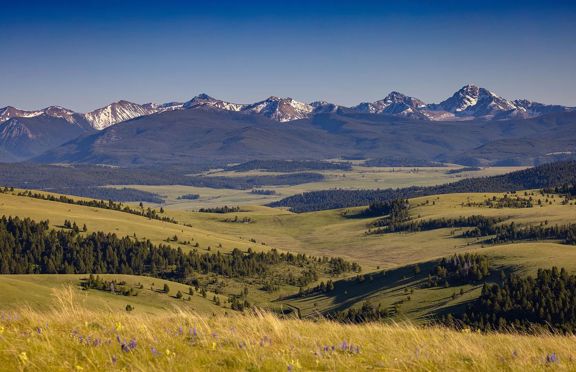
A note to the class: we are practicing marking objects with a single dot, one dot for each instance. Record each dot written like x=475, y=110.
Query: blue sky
x=85, y=54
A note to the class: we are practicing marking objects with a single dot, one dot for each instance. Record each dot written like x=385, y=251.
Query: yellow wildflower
x=23, y=357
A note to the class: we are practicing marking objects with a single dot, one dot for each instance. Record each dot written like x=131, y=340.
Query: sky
x=86, y=54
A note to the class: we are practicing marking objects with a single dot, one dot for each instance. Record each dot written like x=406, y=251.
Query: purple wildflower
x=154, y=351
x=39, y=330
x=551, y=358
x=290, y=368
x=344, y=346
x=132, y=344
x=114, y=359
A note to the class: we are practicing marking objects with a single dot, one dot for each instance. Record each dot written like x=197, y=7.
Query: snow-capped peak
x=115, y=113
x=394, y=103
x=203, y=100
x=10, y=112
x=473, y=101
x=280, y=109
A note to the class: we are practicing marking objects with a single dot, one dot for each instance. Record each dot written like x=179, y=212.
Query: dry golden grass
x=71, y=337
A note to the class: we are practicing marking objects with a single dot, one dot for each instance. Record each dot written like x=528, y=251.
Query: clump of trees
x=224, y=209
x=263, y=192
x=511, y=232
x=235, y=219
x=368, y=312
x=112, y=286
x=188, y=197
x=507, y=201
x=547, y=301
x=397, y=209
x=459, y=269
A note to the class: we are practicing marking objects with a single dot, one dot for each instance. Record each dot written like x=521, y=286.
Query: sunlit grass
x=71, y=337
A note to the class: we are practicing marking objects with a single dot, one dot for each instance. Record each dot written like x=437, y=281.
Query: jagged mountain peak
x=474, y=101
x=470, y=101
x=280, y=109
x=395, y=103
x=204, y=96
x=116, y=112
x=9, y=112
x=204, y=100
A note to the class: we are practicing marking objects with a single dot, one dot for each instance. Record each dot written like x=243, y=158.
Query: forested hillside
x=543, y=176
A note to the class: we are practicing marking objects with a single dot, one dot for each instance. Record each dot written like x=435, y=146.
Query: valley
x=387, y=259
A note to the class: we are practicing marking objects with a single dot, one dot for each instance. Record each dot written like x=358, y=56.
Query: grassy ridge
x=71, y=337
x=37, y=292
x=97, y=219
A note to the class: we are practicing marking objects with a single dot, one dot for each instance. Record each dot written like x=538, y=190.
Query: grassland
x=45, y=320
x=72, y=337
x=37, y=292
x=360, y=177
x=389, y=257
x=97, y=219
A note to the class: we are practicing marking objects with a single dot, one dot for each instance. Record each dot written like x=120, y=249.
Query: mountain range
x=223, y=130
x=470, y=102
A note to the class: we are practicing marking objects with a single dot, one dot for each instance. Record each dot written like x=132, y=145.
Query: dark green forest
x=28, y=247
x=543, y=176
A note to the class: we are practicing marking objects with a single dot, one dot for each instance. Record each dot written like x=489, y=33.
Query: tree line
x=483, y=226
x=116, y=206
x=288, y=165
x=542, y=176
x=29, y=247
x=547, y=301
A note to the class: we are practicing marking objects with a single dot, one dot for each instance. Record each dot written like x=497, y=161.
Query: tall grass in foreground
x=73, y=338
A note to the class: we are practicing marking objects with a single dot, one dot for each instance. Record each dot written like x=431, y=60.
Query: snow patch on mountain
x=115, y=113
x=280, y=109
x=204, y=100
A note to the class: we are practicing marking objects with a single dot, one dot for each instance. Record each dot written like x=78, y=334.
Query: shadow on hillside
x=350, y=291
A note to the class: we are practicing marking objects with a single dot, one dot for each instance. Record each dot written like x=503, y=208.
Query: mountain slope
x=115, y=113
x=470, y=102
x=22, y=138
x=194, y=136
x=203, y=135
